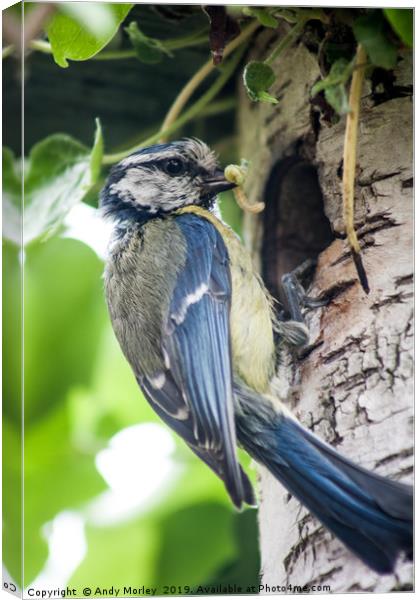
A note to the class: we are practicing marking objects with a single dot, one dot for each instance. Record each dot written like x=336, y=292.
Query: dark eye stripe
x=191, y=167
x=188, y=167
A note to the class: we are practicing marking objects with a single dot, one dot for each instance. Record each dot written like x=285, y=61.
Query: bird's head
x=161, y=179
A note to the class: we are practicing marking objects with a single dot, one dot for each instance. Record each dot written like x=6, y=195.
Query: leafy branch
x=73, y=168
x=334, y=85
x=189, y=114
x=197, y=79
x=166, y=46
x=259, y=76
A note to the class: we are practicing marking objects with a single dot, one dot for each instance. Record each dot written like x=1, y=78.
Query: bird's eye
x=174, y=166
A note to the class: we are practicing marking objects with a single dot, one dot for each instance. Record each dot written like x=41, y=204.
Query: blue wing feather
x=196, y=344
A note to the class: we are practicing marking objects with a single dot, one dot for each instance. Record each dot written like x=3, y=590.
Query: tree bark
x=353, y=384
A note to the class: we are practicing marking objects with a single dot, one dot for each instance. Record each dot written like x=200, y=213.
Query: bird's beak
x=217, y=183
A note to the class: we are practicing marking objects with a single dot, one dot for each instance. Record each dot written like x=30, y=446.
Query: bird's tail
x=371, y=515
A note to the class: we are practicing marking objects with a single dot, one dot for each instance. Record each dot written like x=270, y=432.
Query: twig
x=175, y=44
x=12, y=31
x=188, y=115
x=287, y=41
x=33, y=24
x=349, y=163
x=188, y=90
x=299, y=22
x=219, y=106
x=35, y=21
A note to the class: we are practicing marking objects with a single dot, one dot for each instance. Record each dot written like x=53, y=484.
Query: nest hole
x=295, y=225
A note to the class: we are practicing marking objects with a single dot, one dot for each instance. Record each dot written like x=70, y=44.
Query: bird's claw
x=294, y=299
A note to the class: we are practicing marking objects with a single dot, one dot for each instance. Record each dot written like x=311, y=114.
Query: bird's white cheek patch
x=135, y=190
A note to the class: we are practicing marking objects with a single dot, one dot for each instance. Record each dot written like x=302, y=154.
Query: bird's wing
x=194, y=393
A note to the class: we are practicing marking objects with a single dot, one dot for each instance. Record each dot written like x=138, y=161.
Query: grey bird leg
x=294, y=296
x=292, y=325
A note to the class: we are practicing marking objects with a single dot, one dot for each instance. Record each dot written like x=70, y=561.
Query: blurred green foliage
x=370, y=31
x=58, y=173
x=334, y=86
x=401, y=20
x=11, y=412
x=79, y=390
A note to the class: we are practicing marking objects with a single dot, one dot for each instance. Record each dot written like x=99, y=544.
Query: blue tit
x=197, y=326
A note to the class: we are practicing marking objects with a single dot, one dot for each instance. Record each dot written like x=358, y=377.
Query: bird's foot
x=292, y=326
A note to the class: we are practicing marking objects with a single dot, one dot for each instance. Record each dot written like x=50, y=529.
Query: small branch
x=299, y=21
x=211, y=109
x=287, y=41
x=40, y=46
x=33, y=23
x=192, y=112
x=12, y=31
x=184, y=42
x=349, y=162
x=188, y=90
x=175, y=44
x=219, y=106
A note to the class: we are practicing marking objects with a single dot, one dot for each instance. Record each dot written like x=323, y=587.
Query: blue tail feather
x=370, y=514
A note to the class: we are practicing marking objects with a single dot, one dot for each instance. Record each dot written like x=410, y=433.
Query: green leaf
x=334, y=86
x=369, y=31
x=58, y=174
x=266, y=97
x=263, y=15
x=401, y=20
x=97, y=153
x=339, y=73
x=77, y=35
x=148, y=50
x=12, y=182
x=12, y=197
x=258, y=77
x=97, y=18
x=336, y=96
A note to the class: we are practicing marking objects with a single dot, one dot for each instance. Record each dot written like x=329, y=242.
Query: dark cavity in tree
x=295, y=225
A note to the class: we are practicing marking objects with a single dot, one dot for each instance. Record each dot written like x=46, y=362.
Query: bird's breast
x=139, y=280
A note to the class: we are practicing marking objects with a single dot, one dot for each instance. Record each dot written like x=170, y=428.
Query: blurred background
x=111, y=496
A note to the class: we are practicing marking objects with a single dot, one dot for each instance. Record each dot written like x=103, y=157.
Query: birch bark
x=353, y=386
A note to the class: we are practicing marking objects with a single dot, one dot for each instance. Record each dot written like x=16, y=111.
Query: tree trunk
x=353, y=385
